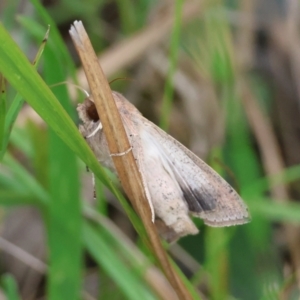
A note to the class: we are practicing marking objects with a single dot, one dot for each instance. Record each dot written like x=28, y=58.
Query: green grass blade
x=55, y=35
x=126, y=278
x=2, y=111
x=37, y=136
x=10, y=287
x=65, y=220
x=18, y=102
x=261, y=185
x=276, y=210
x=64, y=224
x=101, y=202
x=174, y=49
x=187, y=282
x=28, y=181
x=127, y=16
x=10, y=198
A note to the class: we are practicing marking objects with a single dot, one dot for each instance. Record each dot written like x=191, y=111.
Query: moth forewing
x=177, y=183
x=207, y=194
x=162, y=190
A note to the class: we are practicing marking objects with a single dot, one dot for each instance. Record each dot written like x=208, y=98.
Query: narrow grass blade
x=27, y=180
x=275, y=211
x=10, y=198
x=127, y=279
x=10, y=287
x=2, y=111
x=18, y=102
x=65, y=219
x=64, y=224
x=261, y=185
x=57, y=39
x=174, y=49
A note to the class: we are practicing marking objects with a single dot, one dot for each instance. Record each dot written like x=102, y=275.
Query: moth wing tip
x=228, y=222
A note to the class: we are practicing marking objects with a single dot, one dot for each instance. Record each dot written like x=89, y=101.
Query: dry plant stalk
x=118, y=143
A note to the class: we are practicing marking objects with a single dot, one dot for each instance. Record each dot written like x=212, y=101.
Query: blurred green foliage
x=40, y=166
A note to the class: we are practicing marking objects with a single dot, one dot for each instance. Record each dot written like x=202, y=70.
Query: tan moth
x=177, y=183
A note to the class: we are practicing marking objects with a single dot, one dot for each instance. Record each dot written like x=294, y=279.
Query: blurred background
x=222, y=77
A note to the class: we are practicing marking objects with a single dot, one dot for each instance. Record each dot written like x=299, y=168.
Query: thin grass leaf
x=11, y=198
x=64, y=218
x=57, y=39
x=101, y=202
x=27, y=180
x=260, y=186
x=132, y=257
x=10, y=287
x=216, y=250
x=192, y=289
x=127, y=16
x=275, y=211
x=2, y=111
x=20, y=139
x=18, y=102
x=131, y=285
x=216, y=262
x=174, y=50
x=38, y=136
x=9, y=183
x=64, y=224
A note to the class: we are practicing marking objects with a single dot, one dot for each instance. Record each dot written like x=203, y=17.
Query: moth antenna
x=120, y=78
x=73, y=84
x=99, y=127
x=122, y=153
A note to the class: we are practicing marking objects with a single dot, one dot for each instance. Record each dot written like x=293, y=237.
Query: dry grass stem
x=23, y=256
x=118, y=143
x=293, y=42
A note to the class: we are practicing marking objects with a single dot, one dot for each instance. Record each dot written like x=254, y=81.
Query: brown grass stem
x=118, y=143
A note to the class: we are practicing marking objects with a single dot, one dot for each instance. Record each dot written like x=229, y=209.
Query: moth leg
x=99, y=127
x=94, y=186
x=122, y=153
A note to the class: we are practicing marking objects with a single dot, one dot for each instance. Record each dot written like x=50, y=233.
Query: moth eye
x=92, y=111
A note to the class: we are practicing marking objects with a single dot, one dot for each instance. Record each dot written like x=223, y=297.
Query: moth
x=177, y=183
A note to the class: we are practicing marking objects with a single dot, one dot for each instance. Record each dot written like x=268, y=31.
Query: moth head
x=89, y=116
x=87, y=111
x=91, y=110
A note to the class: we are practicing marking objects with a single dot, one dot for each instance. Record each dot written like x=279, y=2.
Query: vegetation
x=222, y=78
